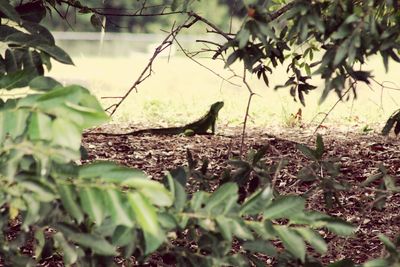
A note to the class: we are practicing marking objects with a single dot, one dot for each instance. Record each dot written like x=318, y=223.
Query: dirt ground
x=359, y=155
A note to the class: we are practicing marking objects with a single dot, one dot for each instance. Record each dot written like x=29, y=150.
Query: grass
x=180, y=91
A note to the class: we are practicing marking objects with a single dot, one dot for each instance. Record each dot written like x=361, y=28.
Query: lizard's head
x=217, y=106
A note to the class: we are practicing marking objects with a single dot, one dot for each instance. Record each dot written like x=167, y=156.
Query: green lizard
x=200, y=126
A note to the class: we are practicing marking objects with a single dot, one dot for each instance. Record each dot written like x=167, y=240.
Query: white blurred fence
x=123, y=44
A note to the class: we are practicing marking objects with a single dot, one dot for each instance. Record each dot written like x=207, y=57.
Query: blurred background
x=181, y=90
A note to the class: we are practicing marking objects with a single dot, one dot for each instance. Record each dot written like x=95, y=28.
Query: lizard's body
x=200, y=126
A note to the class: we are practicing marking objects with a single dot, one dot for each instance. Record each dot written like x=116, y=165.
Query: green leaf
x=69, y=201
x=167, y=221
x=42, y=83
x=266, y=30
x=198, y=200
x=225, y=227
x=9, y=11
x=96, y=21
x=222, y=199
x=23, y=39
x=153, y=190
x=230, y=227
x=388, y=244
x=17, y=79
x=284, y=207
x=94, y=242
x=13, y=123
x=46, y=60
x=5, y=31
x=146, y=216
x=74, y=103
x=319, y=151
x=372, y=178
x=32, y=214
x=343, y=263
x=261, y=229
x=56, y=52
x=376, y=263
x=307, y=68
x=350, y=19
x=43, y=192
x=178, y=191
x=40, y=241
x=260, y=246
x=33, y=11
x=91, y=201
x=66, y=134
x=86, y=116
x=12, y=57
x=109, y=172
x=388, y=125
x=175, y=4
x=341, y=53
x=240, y=230
x=232, y=58
x=314, y=239
x=69, y=252
x=339, y=226
x=40, y=127
x=307, y=174
x=117, y=207
x=243, y=37
x=340, y=33
x=32, y=61
x=390, y=183
x=292, y=241
x=122, y=236
x=257, y=202
x=308, y=152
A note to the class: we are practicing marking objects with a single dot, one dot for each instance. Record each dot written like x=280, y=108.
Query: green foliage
x=123, y=15
x=42, y=186
x=345, y=32
x=252, y=172
x=324, y=173
x=392, y=123
x=214, y=220
x=95, y=209
x=385, y=186
x=101, y=210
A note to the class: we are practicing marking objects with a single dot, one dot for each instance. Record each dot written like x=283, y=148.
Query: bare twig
x=212, y=25
x=251, y=94
x=332, y=108
x=202, y=65
x=122, y=12
x=147, y=71
x=168, y=40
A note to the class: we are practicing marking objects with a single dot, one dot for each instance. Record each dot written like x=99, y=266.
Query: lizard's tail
x=166, y=131
x=171, y=130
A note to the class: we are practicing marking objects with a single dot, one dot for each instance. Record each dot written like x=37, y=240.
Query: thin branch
x=208, y=42
x=251, y=94
x=136, y=13
x=212, y=25
x=332, y=108
x=202, y=65
x=382, y=84
x=147, y=71
x=281, y=11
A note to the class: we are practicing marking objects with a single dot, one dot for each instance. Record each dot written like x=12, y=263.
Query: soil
x=359, y=155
